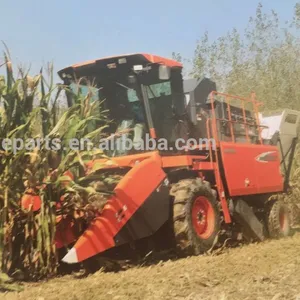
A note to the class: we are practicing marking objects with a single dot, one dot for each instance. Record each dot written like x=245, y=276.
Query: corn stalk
x=28, y=109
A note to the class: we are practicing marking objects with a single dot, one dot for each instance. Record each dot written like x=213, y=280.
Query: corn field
x=30, y=110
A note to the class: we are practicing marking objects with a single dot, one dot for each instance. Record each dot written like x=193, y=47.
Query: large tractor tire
x=196, y=216
x=278, y=220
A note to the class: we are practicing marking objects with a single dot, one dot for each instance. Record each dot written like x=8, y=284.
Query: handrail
x=244, y=118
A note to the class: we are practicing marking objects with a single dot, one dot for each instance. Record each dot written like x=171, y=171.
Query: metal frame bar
x=212, y=124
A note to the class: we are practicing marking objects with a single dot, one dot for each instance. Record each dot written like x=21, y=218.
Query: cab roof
x=136, y=58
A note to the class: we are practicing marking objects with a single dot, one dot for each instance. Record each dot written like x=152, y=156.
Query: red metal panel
x=251, y=169
x=130, y=193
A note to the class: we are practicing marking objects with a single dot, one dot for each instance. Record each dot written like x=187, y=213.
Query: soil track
x=269, y=270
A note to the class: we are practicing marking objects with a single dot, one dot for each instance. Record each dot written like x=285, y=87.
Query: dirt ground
x=268, y=270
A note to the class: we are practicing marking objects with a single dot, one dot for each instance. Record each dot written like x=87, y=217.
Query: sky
x=66, y=32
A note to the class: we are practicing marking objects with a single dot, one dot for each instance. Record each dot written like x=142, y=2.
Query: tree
x=176, y=56
x=263, y=59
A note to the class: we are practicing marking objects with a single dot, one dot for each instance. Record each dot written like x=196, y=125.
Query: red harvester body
x=221, y=186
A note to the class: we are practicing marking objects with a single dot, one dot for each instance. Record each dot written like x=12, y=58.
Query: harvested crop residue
x=268, y=270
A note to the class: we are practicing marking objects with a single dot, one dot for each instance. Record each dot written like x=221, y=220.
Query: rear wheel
x=196, y=216
x=278, y=220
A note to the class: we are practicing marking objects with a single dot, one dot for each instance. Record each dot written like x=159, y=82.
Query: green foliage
x=28, y=110
x=263, y=59
x=176, y=56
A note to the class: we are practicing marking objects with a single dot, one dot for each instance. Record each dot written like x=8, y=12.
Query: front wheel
x=196, y=216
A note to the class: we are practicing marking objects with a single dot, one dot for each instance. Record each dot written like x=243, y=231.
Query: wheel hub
x=203, y=217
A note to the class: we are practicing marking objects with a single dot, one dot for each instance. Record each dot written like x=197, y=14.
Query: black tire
x=278, y=220
x=186, y=195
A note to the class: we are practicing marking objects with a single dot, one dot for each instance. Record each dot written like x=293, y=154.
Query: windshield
x=159, y=89
x=84, y=90
x=153, y=91
x=126, y=109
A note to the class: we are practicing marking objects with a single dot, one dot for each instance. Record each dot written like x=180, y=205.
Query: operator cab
x=141, y=91
x=146, y=95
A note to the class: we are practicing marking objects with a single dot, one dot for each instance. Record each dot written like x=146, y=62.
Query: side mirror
x=164, y=72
